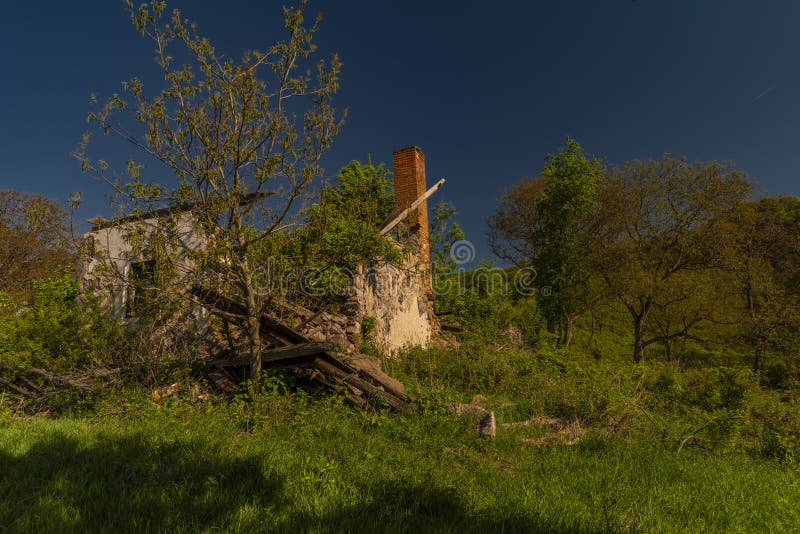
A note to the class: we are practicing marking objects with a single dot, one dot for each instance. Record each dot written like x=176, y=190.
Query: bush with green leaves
x=56, y=331
x=343, y=228
x=42, y=333
x=337, y=234
x=487, y=300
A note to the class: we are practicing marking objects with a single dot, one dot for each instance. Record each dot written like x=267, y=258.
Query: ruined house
x=395, y=299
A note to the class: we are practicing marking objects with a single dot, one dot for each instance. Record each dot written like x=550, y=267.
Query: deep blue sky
x=486, y=89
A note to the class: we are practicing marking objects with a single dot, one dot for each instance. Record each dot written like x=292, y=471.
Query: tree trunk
x=638, y=338
x=246, y=281
x=639, y=316
x=254, y=333
x=569, y=320
x=758, y=359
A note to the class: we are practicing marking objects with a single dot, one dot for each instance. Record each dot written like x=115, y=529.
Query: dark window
x=141, y=288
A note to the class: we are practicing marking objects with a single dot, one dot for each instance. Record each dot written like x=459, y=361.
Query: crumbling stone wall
x=392, y=298
x=396, y=298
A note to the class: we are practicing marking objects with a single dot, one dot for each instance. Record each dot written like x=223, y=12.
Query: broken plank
x=403, y=214
x=58, y=379
x=370, y=367
x=295, y=351
x=16, y=389
x=278, y=333
x=279, y=355
x=353, y=379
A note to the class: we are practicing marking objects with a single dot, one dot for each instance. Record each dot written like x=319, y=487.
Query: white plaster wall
x=114, y=252
x=396, y=297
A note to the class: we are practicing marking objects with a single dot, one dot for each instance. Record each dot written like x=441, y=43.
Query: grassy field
x=325, y=468
x=583, y=445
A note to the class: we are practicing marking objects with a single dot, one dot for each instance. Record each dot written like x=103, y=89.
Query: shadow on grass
x=136, y=484
x=127, y=484
x=403, y=508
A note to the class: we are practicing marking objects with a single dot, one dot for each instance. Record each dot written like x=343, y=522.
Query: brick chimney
x=409, y=185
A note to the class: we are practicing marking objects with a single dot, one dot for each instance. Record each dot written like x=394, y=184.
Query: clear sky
x=486, y=89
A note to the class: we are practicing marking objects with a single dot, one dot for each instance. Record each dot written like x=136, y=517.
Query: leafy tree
x=451, y=285
x=764, y=255
x=545, y=224
x=235, y=142
x=35, y=241
x=343, y=228
x=335, y=235
x=444, y=233
x=660, y=225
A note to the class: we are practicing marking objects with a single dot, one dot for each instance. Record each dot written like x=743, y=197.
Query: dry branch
x=58, y=379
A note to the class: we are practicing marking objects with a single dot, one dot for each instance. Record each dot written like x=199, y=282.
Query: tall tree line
x=673, y=244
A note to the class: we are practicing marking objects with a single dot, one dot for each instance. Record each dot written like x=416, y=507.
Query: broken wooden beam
x=287, y=354
x=16, y=389
x=59, y=379
x=295, y=351
x=396, y=402
x=276, y=332
x=388, y=226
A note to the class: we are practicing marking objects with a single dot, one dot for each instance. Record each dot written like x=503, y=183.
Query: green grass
x=315, y=466
x=648, y=460
x=660, y=448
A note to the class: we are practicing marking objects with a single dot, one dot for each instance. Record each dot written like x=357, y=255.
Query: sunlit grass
x=316, y=466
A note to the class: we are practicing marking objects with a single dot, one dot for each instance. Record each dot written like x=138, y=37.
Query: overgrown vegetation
x=689, y=439
x=670, y=258
x=35, y=241
x=583, y=445
x=676, y=245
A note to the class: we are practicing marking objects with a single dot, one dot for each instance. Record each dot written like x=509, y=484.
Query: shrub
x=56, y=331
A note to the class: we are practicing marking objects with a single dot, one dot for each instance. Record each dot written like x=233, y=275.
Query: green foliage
x=763, y=254
x=336, y=236
x=7, y=304
x=486, y=299
x=343, y=228
x=572, y=181
x=444, y=232
x=279, y=458
x=368, y=345
x=57, y=332
x=660, y=253
x=35, y=241
x=43, y=333
x=282, y=460
x=543, y=224
x=236, y=142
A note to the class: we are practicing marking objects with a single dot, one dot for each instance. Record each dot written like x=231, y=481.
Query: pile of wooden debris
x=35, y=383
x=366, y=384
x=314, y=361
